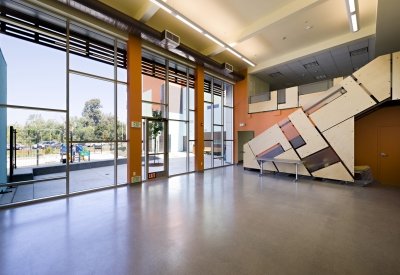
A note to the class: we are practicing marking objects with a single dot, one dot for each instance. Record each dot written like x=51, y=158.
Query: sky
x=36, y=77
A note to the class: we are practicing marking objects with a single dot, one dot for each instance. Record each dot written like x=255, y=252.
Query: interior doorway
x=389, y=154
x=243, y=138
x=156, y=148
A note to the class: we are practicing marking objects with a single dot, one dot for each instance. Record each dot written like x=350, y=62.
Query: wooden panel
x=313, y=139
x=270, y=105
x=269, y=166
x=290, y=168
x=269, y=138
x=396, y=76
x=249, y=158
x=292, y=98
x=375, y=77
x=335, y=171
x=341, y=139
x=323, y=99
x=304, y=99
x=354, y=101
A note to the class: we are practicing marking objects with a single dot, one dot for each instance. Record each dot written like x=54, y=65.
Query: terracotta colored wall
x=254, y=122
x=366, y=136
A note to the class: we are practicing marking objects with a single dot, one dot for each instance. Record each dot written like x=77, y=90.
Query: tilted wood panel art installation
x=322, y=132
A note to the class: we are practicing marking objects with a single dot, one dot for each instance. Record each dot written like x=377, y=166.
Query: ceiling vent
x=359, y=51
x=170, y=40
x=320, y=77
x=228, y=67
x=275, y=74
x=289, y=84
x=310, y=65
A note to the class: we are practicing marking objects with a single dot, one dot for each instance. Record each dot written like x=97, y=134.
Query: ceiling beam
x=146, y=12
x=262, y=24
x=365, y=32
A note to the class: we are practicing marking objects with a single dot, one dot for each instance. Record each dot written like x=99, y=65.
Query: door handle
x=383, y=155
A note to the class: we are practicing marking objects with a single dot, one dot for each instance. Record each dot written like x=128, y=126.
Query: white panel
x=335, y=171
x=341, y=138
x=396, y=76
x=314, y=141
x=375, y=77
x=269, y=138
x=292, y=98
x=348, y=105
x=290, y=167
x=269, y=166
x=249, y=160
x=324, y=98
x=304, y=99
x=270, y=105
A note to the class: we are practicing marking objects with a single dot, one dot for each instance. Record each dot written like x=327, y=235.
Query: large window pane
x=208, y=121
x=122, y=114
x=191, y=125
x=91, y=109
x=217, y=140
x=153, y=110
x=35, y=74
x=208, y=158
x=191, y=98
x=228, y=95
x=153, y=89
x=122, y=163
x=177, y=105
x=228, y=123
x=207, y=88
x=228, y=152
x=178, y=147
x=217, y=94
x=191, y=156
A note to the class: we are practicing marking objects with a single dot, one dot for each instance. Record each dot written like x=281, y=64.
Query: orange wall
x=366, y=136
x=253, y=122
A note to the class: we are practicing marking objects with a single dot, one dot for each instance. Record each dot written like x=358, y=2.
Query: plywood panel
x=324, y=98
x=292, y=98
x=375, y=77
x=335, y=171
x=270, y=105
x=269, y=166
x=304, y=99
x=354, y=101
x=290, y=168
x=269, y=138
x=341, y=139
x=396, y=76
x=249, y=158
x=313, y=139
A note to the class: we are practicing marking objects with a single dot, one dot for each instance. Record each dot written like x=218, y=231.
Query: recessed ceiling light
x=359, y=51
x=310, y=65
x=315, y=71
x=275, y=74
x=289, y=84
x=309, y=28
x=303, y=74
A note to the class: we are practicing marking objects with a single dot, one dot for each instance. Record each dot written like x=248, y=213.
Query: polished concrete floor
x=222, y=221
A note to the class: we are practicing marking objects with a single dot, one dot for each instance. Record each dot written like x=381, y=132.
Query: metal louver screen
x=260, y=98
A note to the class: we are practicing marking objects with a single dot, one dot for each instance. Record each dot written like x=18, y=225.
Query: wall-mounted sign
x=136, y=124
x=152, y=175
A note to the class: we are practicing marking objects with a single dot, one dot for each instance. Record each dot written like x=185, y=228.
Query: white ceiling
x=259, y=26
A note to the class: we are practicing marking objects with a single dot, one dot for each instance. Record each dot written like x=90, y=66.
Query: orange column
x=134, y=60
x=240, y=107
x=199, y=119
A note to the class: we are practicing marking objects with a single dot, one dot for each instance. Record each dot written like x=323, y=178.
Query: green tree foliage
x=91, y=112
x=155, y=128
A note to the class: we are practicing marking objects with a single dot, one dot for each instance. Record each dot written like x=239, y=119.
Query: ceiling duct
x=126, y=23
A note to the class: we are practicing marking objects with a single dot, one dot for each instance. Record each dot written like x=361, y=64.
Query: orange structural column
x=134, y=60
x=199, y=119
x=240, y=109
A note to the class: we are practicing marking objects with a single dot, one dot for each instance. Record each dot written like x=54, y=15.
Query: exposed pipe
x=126, y=23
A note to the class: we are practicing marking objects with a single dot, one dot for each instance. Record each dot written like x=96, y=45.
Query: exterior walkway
x=222, y=221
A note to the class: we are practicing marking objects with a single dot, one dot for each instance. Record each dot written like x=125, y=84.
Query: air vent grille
x=228, y=67
x=275, y=74
x=320, y=77
x=359, y=51
x=310, y=65
x=289, y=84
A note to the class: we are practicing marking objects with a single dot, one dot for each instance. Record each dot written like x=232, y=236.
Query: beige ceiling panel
x=354, y=101
x=375, y=77
x=314, y=141
x=269, y=138
x=290, y=167
x=265, y=106
x=292, y=98
x=341, y=138
x=335, y=171
x=249, y=160
x=396, y=76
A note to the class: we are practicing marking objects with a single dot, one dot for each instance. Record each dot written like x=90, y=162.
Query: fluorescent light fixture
x=188, y=23
x=354, y=22
x=352, y=6
x=161, y=6
x=233, y=44
x=215, y=40
x=235, y=53
x=249, y=62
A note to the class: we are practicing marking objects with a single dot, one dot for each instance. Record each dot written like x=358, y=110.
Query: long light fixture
x=351, y=6
x=194, y=26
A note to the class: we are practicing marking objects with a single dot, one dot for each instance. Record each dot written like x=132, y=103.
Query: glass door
x=156, y=148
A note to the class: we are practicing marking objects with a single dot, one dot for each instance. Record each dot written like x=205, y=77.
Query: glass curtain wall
x=168, y=93
x=218, y=122
x=63, y=113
